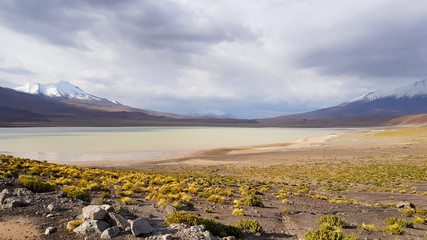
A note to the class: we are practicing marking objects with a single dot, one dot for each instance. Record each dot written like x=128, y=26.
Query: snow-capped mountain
x=418, y=88
x=61, y=89
x=211, y=113
x=405, y=100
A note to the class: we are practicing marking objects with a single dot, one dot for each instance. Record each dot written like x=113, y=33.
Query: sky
x=252, y=59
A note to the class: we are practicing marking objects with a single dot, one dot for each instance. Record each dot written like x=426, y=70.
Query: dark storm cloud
x=146, y=24
x=385, y=50
x=167, y=25
x=56, y=22
x=16, y=71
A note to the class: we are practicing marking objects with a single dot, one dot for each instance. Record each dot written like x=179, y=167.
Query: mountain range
x=371, y=109
x=64, y=104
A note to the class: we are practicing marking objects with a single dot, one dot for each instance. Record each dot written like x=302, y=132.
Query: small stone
x=166, y=237
x=107, y=208
x=50, y=230
x=229, y=238
x=53, y=207
x=50, y=215
x=14, y=201
x=405, y=204
x=170, y=209
x=63, y=195
x=140, y=226
x=91, y=226
x=21, y=192
x=6, y=193
x=198, y=228
x=118, y=220
x=4, y=160
x=111, y=232
x=94, y=212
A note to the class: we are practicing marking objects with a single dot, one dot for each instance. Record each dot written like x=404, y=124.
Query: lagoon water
x=73, y=144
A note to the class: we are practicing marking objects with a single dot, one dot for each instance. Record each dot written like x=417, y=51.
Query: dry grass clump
x=73, y=224
x=238, y=212
x=394, y=229
x=370, y=228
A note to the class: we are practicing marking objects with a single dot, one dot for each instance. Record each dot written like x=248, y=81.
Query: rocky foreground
x=57, y=217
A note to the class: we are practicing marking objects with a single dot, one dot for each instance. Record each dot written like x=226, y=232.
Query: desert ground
x=362, y=177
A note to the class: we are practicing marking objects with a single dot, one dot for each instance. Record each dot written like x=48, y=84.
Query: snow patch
x=61, y=89
x=418, y=88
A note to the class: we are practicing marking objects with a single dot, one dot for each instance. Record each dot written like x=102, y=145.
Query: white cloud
x=246, y=58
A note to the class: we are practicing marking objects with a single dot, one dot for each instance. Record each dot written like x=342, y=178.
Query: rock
x=50, y=230
x=94, y=212
x=53, y=207
x=170, y=209
x=110, y=232
x=50, y=215
x=140, y=226
x=159, y=237
x=63, y=195
x=6, y=193
x=229, y=238
x=107, y=208
x=4, y=160
x=405, y=204
x=195, y=232
x=91, y=227
x=14, y=201
x=118, y=220
x=21, y=192
x=199, y=228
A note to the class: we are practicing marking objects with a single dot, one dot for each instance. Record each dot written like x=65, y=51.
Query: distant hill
x=70, y=94
x=211, y=113
x=63, y=104
x=376, y=108
x=405, y=100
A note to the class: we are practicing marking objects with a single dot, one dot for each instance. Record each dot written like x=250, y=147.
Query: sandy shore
x=343, y=146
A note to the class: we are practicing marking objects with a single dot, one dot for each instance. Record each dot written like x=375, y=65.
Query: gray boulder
x=50, y=230
x=118, y=220
x=94, y=212
x=107, y=208
x=14, y=201
x=140, y=226
x=111, y=232
x=91, y=227
x=53, y=207
x=21, y=192
x=170, y=209
x=6, y=193
x=5, y=160
x=405, y=204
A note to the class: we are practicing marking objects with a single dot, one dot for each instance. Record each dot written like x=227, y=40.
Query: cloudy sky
x=248, y=58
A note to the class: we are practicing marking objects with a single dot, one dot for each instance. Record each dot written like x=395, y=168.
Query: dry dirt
x=303, y=211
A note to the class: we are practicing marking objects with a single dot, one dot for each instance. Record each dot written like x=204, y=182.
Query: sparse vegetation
x=36, y=184
x=401, y=222
x=417, y=219
x=216, y=228
x=73, y=224
x=250, y=225
x=252, y=200
x=370, y=228
x=393, y=229
x=331, y=220
x=238, y=212
x=80, y=194
x=185, y=188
